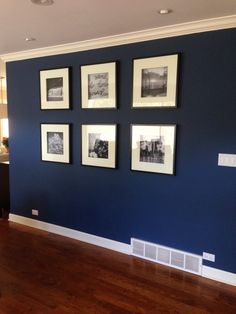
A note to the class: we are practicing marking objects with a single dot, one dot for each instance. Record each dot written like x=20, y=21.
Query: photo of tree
x=55, y=143
x=154, y=82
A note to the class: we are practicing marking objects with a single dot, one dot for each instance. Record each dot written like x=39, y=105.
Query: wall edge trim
x=73, y=234
x=219, y=275
x=207, y=272
x=181, y=29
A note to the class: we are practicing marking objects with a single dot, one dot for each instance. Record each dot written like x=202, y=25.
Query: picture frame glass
x=99, y=145
x=155, y=82
x=54, y=89
x=153, y=148
x=55, y=142
x=98, y=86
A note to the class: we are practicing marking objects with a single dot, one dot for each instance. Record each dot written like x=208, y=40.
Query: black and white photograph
x=55, y=89
x=99, y=145
x=153, y=148
x=98, y=148
x=98, y=86
x=155, y=82
x=55, y=142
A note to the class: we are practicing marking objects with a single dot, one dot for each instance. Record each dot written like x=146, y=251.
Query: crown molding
x=127, y=38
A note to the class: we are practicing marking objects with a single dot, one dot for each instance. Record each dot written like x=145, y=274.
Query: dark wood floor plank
x=44, y=273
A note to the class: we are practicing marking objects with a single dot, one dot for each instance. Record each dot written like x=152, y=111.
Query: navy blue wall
x=194, y=210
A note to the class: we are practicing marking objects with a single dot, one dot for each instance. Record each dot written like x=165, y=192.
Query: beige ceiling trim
x=127, y=38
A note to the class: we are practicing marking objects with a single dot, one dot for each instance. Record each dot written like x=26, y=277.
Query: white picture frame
x=55, y=142
x=98, y=86
x=55, y=89
x=155, y=82
x=99, y=145
x=153, y=148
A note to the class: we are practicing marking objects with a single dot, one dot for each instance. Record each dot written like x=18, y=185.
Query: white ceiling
x=70, y=21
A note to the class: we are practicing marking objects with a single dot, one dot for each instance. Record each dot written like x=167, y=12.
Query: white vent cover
x=164, y=255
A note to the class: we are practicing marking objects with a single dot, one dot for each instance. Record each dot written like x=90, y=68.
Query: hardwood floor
x=44, y=273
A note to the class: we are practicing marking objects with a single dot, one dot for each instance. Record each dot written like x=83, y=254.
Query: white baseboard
x=74, y=234
x=207, y=272
x=219, y=275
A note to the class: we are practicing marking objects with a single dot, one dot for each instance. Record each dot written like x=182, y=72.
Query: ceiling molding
x=127, y=38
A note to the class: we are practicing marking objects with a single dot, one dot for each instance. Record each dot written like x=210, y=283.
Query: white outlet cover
x=208, y=257
x=35, y=212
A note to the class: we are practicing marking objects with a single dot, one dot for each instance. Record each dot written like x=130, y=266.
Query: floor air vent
x=167, y=256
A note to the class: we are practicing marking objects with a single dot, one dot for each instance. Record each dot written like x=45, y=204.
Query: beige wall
x=2, y=68
x=3, y=111
x=3, y=107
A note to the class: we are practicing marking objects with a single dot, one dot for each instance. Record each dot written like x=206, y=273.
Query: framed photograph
x=55, y=89
x=98, y=85
x=155, y=82
x=153, y=148
x=55, y=142
x=99, y=145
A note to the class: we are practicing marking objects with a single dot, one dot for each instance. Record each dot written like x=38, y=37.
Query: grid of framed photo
x=154, y=86
x=98, y=86
x=54, y=89
x=99, y=145
x=55, y=142
x=153, y=148
x=155, y=81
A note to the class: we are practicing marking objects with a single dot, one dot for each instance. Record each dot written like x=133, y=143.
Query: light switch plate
x=227, y=160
